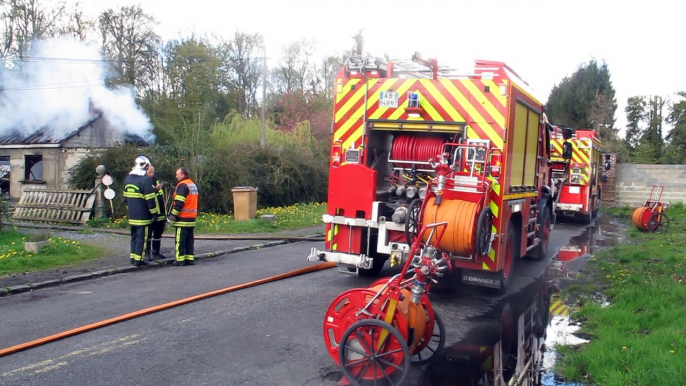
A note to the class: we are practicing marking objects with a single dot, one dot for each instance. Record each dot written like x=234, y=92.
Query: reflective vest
x=139, y=197
x=185, y=203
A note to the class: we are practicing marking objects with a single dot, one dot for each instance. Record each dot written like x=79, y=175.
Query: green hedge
x=284, y=175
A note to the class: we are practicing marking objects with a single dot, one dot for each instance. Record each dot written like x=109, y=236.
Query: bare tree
x=242, y=67
x=294, y=71
x=128, y=37
x=25, y=21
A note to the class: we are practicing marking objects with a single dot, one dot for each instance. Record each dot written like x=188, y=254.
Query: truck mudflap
x=360, y=261
x=481, y=278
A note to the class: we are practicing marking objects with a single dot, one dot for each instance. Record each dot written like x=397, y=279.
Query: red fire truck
x=577, y=177
x=415, y=142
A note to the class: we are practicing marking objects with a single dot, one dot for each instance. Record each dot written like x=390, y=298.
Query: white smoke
x=53, y=89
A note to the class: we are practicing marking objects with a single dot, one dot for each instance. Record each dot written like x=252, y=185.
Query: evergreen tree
x=676, y=149
x=585, y=100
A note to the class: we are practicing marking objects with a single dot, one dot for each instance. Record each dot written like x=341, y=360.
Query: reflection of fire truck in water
x=577, y=178
x=505, y=347
x=416, y=143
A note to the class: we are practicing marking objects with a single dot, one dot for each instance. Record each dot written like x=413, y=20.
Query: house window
x=4, y=174
x=33, y=165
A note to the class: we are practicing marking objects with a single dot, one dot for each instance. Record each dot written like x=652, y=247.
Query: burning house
x=42, y=159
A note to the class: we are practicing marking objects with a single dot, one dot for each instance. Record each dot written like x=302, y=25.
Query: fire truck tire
x=589, y=216
x=539, y=253
x=510, y=255
x=360, y=354
x=483, y=231
x=412, y=222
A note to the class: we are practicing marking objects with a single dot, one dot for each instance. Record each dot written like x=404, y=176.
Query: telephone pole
x=263, y=133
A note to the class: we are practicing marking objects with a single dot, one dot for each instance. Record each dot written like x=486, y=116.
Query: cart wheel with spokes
x=412, y=222
x=371, y=350
x=659, y=222
x=433, y=340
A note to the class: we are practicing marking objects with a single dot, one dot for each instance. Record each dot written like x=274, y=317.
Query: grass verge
x=291, y=217
x=59, y=253
x=637, y=331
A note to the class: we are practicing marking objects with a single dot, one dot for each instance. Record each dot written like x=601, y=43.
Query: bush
x=284, y=175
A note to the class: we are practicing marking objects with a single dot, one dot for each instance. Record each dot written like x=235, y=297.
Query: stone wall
x=635, y=181
x=608, y=179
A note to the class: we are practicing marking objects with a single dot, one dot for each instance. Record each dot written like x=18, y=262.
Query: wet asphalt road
x=265, y=335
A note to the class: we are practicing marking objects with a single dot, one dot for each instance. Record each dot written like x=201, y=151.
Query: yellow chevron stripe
x=387, y=85
x=441, y=99
x=486, y=104
x=496, y=140
x=428, y=107
x=347, y=88
x=495, y=209
x=354, y=138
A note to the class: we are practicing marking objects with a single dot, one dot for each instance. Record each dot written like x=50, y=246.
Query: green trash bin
x=244, y=202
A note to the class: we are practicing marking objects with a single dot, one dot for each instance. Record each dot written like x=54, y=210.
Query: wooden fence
x=61, y=206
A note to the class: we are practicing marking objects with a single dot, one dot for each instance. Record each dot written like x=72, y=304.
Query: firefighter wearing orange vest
x=183, y=215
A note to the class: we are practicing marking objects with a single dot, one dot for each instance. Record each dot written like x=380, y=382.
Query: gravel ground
x=117, y=252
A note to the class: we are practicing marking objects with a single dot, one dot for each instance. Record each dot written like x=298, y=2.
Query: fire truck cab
x=415, y=142
x=576, y=175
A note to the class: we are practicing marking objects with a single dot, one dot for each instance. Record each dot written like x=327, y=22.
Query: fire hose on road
x=161, y=307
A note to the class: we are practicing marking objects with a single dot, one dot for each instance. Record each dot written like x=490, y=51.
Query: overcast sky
x=542, y=40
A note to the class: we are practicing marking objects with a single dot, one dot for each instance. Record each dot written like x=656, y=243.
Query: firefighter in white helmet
x=140, y=199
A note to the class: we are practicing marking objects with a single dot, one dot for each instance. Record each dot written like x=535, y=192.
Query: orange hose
x=161, y=307
x=461, y=217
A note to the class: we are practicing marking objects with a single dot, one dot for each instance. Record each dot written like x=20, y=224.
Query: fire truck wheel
x=589, y=216
x=373, y=350
x=541, y=250
x=412, y=221
x=506, y=272
x=483, y=231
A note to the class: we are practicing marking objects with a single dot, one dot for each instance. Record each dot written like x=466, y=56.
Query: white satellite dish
x=109, y=193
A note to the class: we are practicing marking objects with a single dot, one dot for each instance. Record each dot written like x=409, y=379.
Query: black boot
x=158, y=256
x=132, y=261
x=189, y=262
x=138, y=263
x=178, y=263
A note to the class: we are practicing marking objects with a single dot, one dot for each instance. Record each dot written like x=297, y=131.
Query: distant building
x=42, y=160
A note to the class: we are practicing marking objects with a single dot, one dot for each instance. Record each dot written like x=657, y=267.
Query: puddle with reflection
x=513, y=343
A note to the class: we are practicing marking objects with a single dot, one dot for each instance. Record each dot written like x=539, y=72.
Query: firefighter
x=157, y=227
x=139, y=196
x=183, y=215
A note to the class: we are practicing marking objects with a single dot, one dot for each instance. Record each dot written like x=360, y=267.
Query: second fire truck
x=415, y=142
x=577, y=174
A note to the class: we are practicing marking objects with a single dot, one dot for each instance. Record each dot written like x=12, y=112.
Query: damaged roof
x=46, y=136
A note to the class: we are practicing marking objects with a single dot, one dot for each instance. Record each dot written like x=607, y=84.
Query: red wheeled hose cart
x=651, y=217
x=376, y=333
